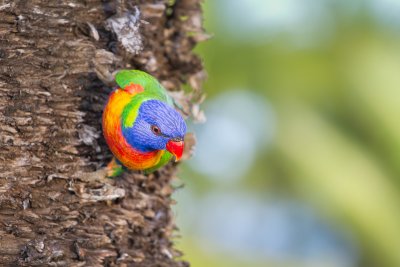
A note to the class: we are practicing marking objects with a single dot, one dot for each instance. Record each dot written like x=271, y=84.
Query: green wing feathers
x=150, y=84
x=126, y=77
x=164, y=159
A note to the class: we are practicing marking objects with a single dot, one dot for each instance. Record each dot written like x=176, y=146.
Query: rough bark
x=55, y=60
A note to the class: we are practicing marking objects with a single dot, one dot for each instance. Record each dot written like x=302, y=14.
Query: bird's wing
x=127, y=79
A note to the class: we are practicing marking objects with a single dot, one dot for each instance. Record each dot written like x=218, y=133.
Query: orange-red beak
x=175, y=148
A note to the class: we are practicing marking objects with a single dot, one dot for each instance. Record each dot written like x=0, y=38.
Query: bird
x=140, y=125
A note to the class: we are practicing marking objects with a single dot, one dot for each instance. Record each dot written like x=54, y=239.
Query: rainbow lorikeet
x=140, y=124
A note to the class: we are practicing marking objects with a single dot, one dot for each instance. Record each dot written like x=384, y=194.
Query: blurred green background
x=298, y=163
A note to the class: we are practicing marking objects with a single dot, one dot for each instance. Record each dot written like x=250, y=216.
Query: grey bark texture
x=57, y=60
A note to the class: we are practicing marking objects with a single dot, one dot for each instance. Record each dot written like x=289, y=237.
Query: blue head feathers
x=155, y=125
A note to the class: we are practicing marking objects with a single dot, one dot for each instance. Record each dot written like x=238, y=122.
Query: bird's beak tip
x=175, y=148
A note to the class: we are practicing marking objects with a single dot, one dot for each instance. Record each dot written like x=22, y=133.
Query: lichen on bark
x=57, y=59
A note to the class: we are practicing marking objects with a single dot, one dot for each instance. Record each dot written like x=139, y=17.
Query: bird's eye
x=155, y=130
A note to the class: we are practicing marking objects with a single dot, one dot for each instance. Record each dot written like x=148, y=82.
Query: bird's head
x=158, y=126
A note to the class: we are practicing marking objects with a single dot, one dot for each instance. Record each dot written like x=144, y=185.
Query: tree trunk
x=56, y=58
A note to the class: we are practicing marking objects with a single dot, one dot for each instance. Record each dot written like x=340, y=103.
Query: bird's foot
x=114, y=169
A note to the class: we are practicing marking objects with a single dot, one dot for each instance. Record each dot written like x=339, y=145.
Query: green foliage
x=338, y=110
